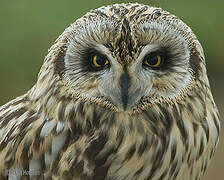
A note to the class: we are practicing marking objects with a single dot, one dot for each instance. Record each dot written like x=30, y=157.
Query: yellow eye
x=99, y=61
x=153, y=61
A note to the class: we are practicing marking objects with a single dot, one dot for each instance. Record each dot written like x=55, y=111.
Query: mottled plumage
x=124, y=120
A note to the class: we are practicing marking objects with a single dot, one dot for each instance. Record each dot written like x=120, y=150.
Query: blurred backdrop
x=28, y=28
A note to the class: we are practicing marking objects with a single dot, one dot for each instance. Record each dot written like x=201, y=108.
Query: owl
x=122, y=95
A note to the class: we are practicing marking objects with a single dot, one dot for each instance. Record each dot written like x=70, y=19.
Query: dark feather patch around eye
x=168, y=59
x=86, y=56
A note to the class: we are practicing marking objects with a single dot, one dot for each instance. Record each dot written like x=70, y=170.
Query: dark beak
x=125, y=84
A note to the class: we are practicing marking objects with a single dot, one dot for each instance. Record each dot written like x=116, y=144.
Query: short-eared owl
x=122, y=95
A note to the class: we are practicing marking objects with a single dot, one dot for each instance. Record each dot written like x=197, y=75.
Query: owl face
x=122, y=56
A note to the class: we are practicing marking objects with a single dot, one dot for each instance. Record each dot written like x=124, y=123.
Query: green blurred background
x=28, y=28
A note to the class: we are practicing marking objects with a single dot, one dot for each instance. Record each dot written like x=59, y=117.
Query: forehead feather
x=119, y=24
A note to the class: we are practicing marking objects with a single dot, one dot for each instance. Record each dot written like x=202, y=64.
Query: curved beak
x=125, y=92
x=125, y=84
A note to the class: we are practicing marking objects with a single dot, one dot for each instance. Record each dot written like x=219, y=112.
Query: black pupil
x=100, y=60
x=152, y=60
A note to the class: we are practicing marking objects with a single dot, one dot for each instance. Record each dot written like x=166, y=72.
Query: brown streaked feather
x=59, y=133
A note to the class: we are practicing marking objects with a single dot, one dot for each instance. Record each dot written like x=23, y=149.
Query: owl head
x=125, y=56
